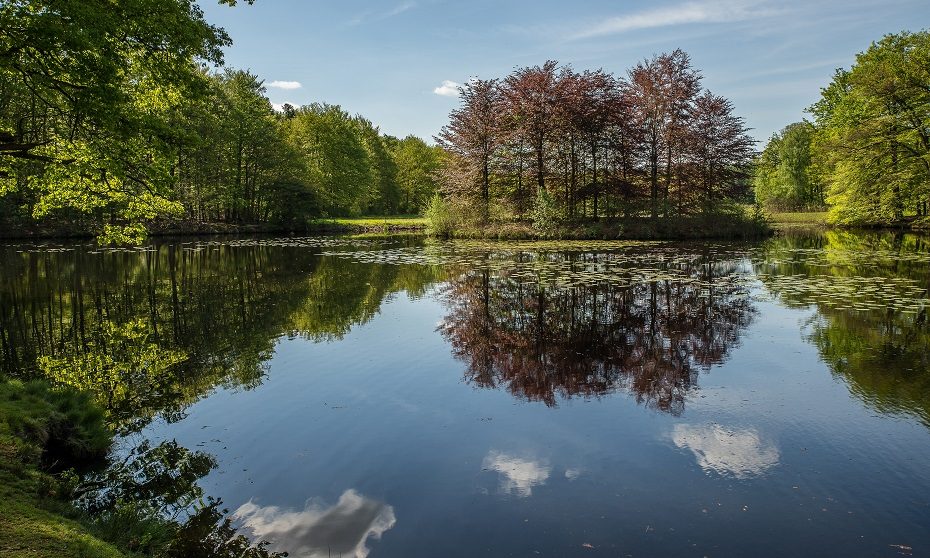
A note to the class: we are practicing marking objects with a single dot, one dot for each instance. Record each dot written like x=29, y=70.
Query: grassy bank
x=35, y=525
x=54, y=453
x=799, y=219
x=640, y=228
x=40, y=429
x=398, y=223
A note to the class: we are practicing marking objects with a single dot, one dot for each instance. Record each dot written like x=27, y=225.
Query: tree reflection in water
x=874, y=334
x=651, y=338
x=149, y=332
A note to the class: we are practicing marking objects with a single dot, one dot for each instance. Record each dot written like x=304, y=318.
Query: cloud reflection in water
x=318, y=531
x=518, y=475
x=738, y=453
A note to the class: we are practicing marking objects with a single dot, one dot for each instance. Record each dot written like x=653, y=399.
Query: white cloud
x=715, y=11
x=448, y=89
x=372, y=15
x=401, y=8
x=288, y=85
x=318, y=531
x=740, y=453
x=518, y=475
x=279, y=107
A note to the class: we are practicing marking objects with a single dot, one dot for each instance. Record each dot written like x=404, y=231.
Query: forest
x=121, y=118
x=555, y=145
x=865, y=152
x=116, y=129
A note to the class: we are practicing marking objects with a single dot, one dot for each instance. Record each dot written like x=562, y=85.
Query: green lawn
x=800, y=218
x=402, y=221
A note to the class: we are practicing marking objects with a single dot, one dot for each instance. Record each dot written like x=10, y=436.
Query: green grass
x=34, y=420
x=731, y=226
x=391, y=221
x=818, y=218
x=29, y=530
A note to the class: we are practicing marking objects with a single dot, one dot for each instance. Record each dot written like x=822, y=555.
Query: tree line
x=591, y=144
x=115, y=115
x=865, y=153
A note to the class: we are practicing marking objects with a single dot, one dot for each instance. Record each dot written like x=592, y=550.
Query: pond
x=399, y=396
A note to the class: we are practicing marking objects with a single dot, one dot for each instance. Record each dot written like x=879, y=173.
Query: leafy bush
x=546, y=215
x=439, y=216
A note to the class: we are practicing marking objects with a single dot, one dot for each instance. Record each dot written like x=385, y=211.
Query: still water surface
x=404, y=397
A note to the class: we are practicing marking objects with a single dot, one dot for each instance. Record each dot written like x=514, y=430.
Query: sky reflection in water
x=652, y=399
x=342, y=529
x=518, y=475
x=724, y=451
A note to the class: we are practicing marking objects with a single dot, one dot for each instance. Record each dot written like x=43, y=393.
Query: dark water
x=400, y=397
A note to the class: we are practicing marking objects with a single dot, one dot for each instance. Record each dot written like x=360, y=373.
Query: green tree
x=384, y=196
x=337, y=161
x=785, y=176
x=417, y=168
x=237, y=164
x=873, y=128
x=88, y=89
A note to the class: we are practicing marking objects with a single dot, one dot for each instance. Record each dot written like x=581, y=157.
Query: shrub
x=546, y=215
x=439, y=217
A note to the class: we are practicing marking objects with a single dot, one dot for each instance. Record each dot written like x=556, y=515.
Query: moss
x=45, y=427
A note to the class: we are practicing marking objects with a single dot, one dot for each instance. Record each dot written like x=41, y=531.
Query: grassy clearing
x=377, y=223
x=816, y=218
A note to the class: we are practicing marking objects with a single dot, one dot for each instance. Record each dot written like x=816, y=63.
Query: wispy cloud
x=372, y=15
x=714, y=11
x=448, y=89
x=401, y=8
x=289, y=85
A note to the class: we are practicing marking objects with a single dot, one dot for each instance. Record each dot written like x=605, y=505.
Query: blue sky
x=388, y=60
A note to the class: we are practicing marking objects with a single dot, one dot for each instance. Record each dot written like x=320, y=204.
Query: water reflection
x=874, y=336
x=317, y=531
x=151, y=331
x=518, y=475
x=650, y=338
x=740, y=453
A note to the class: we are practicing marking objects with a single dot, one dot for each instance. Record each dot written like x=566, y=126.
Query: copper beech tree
x=653, y=142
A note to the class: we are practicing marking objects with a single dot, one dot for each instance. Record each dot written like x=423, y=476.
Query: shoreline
x=591, y=230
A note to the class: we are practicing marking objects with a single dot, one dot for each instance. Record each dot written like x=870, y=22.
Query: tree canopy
x=867, y=151
x=591, y=144
x=119, y=114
